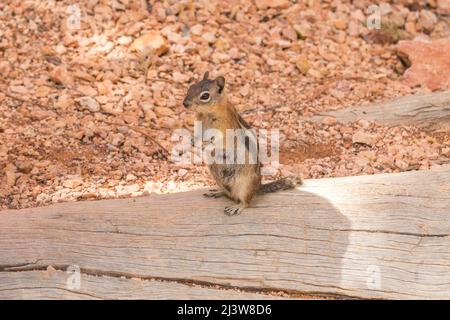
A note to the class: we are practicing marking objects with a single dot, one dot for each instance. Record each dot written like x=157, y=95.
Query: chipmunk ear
x=206, y=75
x=220, y=81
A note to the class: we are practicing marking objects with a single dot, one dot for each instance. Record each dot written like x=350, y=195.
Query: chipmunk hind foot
x=233, y=210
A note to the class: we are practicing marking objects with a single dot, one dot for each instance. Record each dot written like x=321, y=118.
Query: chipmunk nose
x=185, y=103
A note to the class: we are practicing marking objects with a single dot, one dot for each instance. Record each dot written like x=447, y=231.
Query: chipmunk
x=238, y=181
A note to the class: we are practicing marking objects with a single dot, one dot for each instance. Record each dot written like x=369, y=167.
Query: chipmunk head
x=204, y=94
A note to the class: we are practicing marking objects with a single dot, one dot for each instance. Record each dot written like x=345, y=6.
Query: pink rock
x=446, y=151
x=61, y=75
x=428, y=19
x=163, y=111
x=151, y=42
x=430, y=63
x=340, y=24
x=346, y=130
x=364, y=138
x=443, y=5
x=245, y=90
x=10, y=173
x=19, y=89
x=5, y=68
x=89, y=103
x=73, y=182
x=209, y=37
x=329, y=121
x=265, y=4
x=401, y=164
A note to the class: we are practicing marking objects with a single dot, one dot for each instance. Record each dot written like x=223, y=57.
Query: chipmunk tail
x=286, y=183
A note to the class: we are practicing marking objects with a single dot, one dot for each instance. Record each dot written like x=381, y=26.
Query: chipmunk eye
x=205, y=96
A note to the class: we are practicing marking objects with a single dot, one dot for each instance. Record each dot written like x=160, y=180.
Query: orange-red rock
x=151, y=42
x=430, y=63
x=264, y=4
x=60, y=75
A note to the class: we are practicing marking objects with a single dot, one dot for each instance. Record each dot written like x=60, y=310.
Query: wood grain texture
x=53, y=284
x=380, y=236
x=431, y=110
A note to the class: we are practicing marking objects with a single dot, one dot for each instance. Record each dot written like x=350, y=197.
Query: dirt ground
x=91, y=90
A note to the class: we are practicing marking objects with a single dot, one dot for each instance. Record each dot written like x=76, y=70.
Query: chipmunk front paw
x=214, y=194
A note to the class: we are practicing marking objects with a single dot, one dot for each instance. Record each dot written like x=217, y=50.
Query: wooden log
x=431, y=110
x=380, y=236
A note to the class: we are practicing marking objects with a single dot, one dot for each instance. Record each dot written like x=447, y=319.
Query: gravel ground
x=91, y=90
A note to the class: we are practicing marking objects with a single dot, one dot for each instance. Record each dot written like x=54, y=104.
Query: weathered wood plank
x=380, y=236
x=431, y=110
x=55, y=284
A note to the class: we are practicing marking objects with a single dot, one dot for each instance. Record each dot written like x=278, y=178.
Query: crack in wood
x=421, y=235
x=413, y=234
x=269, y=291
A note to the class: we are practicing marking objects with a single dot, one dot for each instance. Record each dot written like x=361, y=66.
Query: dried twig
x=165, y=152
x=142, y=131
x=9, y=95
